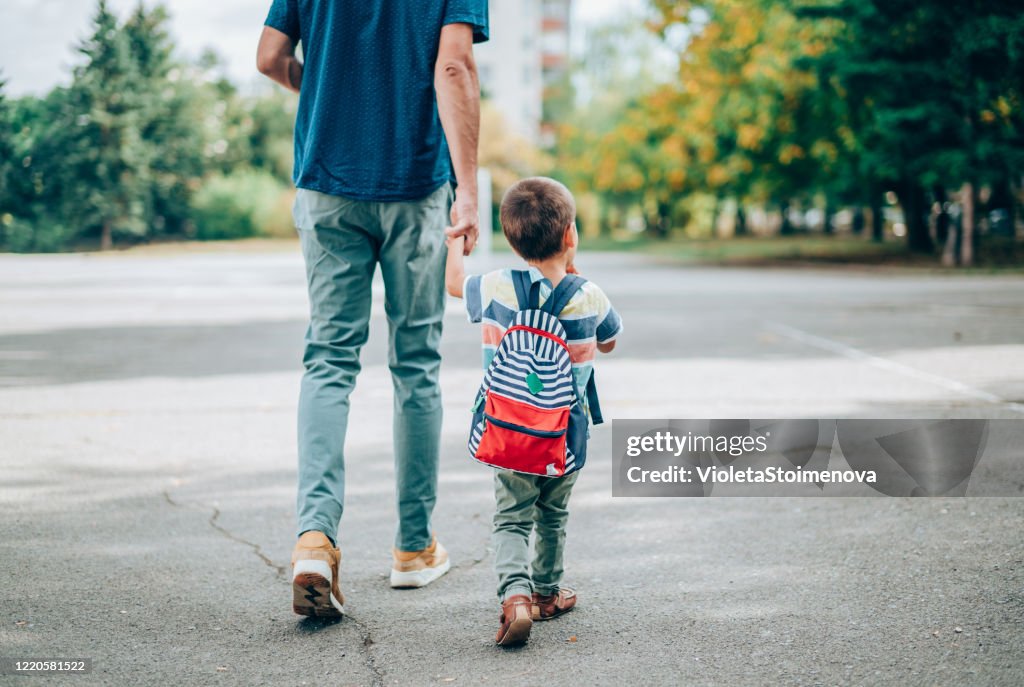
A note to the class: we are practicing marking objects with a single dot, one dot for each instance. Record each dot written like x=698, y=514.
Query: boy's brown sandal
x=516, y=620
x=554, y=605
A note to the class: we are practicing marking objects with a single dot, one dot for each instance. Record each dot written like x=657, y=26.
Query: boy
x=538, y=216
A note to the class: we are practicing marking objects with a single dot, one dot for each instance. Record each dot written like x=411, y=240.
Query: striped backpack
x=528, y=416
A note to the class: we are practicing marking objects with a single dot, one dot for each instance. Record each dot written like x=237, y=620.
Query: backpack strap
x=592, y=402
x=527, y=290
x=556, y=302
x=563, y=293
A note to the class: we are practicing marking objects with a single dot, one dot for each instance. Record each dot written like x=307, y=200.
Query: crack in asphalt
x=366, y=644
x=280, y=570
x=366, y=649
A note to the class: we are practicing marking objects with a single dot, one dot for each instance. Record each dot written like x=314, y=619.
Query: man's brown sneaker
x=553, y=605
x=315, y=589
x=516, y=620
x=412, y=569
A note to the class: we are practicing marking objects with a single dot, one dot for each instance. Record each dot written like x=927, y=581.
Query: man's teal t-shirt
x=367, y=125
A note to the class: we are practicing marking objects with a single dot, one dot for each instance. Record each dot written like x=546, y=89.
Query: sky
x=37, y=36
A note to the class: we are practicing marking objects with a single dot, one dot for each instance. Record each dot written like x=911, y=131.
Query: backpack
x=528, y=416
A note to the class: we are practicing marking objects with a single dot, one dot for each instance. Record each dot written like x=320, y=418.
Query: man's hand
x=571, y=268
x=465, y=220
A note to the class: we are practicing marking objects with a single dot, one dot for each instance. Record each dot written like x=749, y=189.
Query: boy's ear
x=570, y=239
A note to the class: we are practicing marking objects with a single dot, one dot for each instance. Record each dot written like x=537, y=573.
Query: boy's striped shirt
x=589, y=317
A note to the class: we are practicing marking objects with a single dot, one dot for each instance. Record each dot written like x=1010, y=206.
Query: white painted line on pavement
x=22, y=355
x=890, y=366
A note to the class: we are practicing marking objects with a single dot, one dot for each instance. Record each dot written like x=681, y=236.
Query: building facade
x=525, y=64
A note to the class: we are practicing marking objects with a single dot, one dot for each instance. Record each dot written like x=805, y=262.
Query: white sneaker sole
x=418, y=578
x=311, y=590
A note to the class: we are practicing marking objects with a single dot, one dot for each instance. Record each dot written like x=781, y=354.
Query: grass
x=797, y=250
x=747, y=250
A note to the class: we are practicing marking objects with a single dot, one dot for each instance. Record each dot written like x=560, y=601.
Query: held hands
x=456, y=244
x=454, y=272
x=465, y=221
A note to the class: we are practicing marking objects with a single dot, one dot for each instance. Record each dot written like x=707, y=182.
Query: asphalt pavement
x=147, y=475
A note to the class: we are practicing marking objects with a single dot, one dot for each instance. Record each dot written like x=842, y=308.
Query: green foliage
x=934, y=91
x=241, y=205
x=603, y=146
x=743, y=117
x=170, y=106
x=936, y=88
x=267, y=125
x=121, y=153
x=32, y=202
x=795, y=101
x=22, y=236
x=7, y=150
x=101, y=136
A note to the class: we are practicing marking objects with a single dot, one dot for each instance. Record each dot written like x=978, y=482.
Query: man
x=388, y=120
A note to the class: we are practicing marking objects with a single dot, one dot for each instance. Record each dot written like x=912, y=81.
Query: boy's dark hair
x=534, y=215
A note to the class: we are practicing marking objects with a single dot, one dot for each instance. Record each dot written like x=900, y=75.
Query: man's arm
x=454, y=270
x=275, y=57
x=606, y=347
x=458, y=104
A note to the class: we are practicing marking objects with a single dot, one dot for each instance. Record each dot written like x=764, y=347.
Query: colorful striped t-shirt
x=588, y=319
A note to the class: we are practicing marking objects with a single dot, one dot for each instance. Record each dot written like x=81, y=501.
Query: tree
x=170, y=109
x=935, y=91
x=746, y=116
x=612, y=145
x=269, y=123
x=6, y=147
x=758, y=115
x=105, y=156
x=507, y=155
x=10, y=224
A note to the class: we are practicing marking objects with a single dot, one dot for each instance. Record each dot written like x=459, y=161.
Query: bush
x=240, y=205
x=278, y=222
x=43, y=235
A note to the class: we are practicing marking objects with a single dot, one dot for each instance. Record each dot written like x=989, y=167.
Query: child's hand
x=457, y=243
x=454, y=272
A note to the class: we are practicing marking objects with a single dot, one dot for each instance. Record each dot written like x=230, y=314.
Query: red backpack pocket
x=522, y=437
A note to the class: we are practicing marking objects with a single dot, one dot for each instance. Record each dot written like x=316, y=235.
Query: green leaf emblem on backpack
x=533, y=381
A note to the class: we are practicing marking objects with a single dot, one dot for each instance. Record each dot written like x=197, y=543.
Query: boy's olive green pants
x=343, y=240
x=526, y=503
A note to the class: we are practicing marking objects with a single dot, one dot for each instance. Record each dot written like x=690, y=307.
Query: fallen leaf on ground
x=573, y=638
